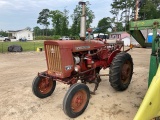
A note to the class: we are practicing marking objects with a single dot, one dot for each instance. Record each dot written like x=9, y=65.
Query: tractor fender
x=150, y=107
x=112, y=55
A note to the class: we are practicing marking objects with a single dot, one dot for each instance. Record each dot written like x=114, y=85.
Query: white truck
x=64, y=38
x=2, y=38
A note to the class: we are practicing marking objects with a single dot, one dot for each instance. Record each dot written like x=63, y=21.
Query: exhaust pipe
x=83, y=21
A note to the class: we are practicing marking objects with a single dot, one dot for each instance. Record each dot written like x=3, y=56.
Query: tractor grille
x=53, y=58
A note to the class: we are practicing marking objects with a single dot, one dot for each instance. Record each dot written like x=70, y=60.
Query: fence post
x=2, y=47
x=34, y=45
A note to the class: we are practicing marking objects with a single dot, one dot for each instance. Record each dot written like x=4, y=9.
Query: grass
x=27, y=46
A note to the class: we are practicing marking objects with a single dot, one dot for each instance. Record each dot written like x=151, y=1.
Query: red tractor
x=81, y=60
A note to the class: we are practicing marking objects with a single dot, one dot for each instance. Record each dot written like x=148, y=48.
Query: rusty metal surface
x=53, y=54
x=45, y=85
x=76, y=45
x=78, y=101
x=59, y=61
x=126, y=71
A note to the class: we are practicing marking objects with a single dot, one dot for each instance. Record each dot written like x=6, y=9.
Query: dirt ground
x=17, y=102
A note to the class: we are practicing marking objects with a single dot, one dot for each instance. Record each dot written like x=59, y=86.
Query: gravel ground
x=17, y=101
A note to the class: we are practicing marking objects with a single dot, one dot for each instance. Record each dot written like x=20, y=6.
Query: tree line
x=59, y=20
x=122, y=11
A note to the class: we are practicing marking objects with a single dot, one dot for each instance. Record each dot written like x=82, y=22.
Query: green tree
x=76, y=16
x=43, y=19
x=115, y=9
x=65, y=23
x=123, y=7
x=50, y=32
x=119, y=26
x=150, y=9
x=36, y=31
x=57, y=21
x=103, y=25
x=3, y=33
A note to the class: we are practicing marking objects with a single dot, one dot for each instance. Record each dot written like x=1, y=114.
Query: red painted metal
x=89, y=30
x=101, y=63
x=72, y=60
x=45, y=85
x=78, y=101
x=92, y=56
x=112, y=55
x=74, y=45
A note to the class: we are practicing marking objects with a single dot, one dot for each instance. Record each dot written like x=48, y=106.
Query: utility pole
x=136, y=11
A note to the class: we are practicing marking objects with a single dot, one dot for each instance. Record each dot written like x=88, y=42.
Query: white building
x=21, y=34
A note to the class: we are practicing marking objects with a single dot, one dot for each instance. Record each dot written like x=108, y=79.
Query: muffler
x=83, y=21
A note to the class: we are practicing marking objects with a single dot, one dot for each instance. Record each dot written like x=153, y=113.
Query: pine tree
x=43, y=19
x=150, y=9
x=65, y=23
x=57, y=20
x=76, y=16
x=123, y=7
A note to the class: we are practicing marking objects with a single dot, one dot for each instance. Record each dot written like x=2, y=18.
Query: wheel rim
x=126, y=72
x=45, y=85
x=78, y=101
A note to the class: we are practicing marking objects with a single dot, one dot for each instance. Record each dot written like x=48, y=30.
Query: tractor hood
x=76, y=45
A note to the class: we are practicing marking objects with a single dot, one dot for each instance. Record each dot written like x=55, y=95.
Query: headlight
x=77, y=68
x=76, y=60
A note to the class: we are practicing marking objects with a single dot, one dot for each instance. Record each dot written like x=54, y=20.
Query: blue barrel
x=150, y=37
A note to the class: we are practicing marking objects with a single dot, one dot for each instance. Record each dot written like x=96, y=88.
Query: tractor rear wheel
x=43, y=87
x=121, y=71
x=76, y=100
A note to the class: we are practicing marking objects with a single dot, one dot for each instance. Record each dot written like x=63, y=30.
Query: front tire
x=76, y=100
x=121, y=71
x=43, y=87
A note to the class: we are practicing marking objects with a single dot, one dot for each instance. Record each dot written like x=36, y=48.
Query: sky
x=19, y=14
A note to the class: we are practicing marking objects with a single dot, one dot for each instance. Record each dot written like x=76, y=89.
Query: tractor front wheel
x=121, y=71
x=76, y=100
x=43, y=87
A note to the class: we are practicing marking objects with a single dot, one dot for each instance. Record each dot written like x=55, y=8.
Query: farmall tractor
x=81, y=60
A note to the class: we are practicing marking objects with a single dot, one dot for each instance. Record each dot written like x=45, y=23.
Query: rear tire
x=43, y=87
x=121, y=71
x=76, y=100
